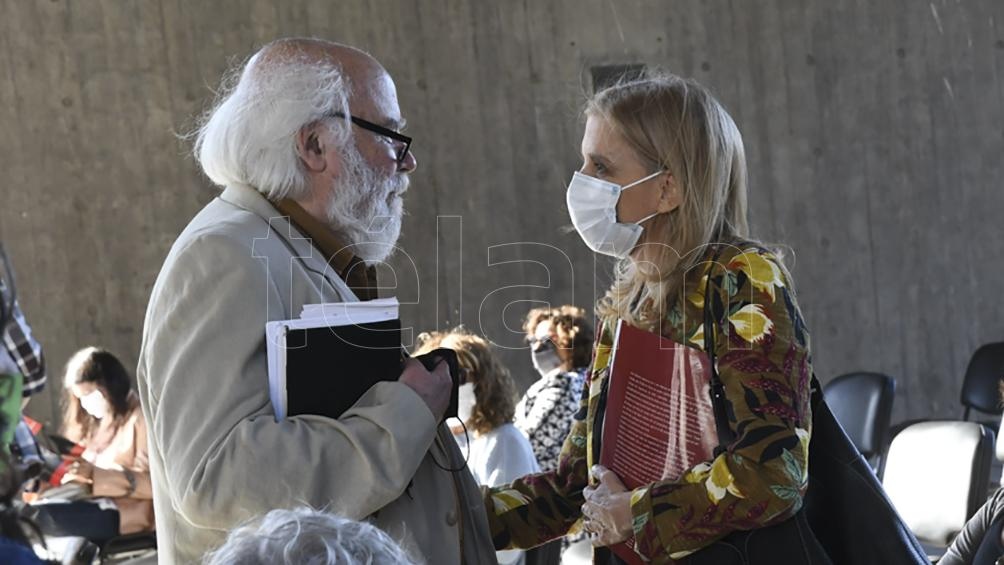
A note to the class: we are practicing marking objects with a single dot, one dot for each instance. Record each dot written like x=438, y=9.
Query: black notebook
x=323, y=362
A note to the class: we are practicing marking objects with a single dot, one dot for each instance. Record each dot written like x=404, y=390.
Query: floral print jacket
x=546, y=412
x=762, y=349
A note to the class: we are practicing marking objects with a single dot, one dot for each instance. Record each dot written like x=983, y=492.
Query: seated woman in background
x=102, y=414
x=497, y=451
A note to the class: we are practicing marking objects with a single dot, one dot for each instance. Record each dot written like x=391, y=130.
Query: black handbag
x=846, y=517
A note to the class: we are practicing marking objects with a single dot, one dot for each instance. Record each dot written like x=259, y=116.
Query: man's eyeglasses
x=402, y=153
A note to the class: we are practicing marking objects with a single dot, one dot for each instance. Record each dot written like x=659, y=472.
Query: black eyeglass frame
x=380, y=130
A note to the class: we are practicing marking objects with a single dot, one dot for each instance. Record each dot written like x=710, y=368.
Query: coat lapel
x=300, y=246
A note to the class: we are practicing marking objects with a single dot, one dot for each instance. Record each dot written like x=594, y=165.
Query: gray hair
x=249, y=136
x=304, y=536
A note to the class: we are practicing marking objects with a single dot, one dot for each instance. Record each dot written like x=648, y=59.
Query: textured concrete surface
x=873, y=131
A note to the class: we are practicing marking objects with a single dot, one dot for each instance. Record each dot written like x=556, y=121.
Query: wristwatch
x=131, y=477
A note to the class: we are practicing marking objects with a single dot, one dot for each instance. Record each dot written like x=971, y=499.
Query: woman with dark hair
x=102, y=414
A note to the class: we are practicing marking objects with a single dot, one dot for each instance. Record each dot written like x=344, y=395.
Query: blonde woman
x=663, y=188
x=498, y=452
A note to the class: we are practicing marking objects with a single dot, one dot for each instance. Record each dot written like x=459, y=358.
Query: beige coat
x=218, y=457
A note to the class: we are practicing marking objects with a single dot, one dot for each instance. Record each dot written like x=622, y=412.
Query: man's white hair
x=304, y=536
x=249, y=136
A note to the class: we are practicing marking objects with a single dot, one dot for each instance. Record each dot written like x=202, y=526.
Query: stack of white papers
x=346, y=313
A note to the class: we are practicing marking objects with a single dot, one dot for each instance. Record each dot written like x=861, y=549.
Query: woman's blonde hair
x=674, y=124
x=493, y=386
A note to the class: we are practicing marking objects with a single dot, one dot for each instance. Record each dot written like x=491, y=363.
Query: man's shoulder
x=222, y=220
x=224, y=234
x=218, y=241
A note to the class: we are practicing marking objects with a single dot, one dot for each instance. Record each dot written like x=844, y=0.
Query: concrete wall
x=873, y=131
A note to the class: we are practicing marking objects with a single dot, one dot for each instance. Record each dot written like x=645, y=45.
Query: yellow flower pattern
x=763, y=271
x=803, y=439
x=751, y=323
x=506, y=500
x=758, y=479
x=696, y=296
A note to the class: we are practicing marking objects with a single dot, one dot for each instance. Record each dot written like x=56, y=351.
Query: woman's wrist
x=131, y=478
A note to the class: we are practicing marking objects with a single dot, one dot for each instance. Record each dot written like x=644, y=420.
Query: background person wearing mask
x=102, y=415
x=497, y=451
x=561, y=344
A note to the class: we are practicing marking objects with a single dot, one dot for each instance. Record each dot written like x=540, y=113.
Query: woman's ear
x=671, y=196
x=311, y=149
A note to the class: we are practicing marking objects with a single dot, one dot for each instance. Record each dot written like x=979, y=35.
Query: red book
x=659, y=421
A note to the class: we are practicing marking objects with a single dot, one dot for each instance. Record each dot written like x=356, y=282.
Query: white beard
x=365, y=209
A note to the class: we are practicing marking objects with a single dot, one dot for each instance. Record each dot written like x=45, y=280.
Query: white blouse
x=496, y=458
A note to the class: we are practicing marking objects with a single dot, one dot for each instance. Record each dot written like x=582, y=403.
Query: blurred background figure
x=102, y=415
x=981, y=541
x=22, y=373
x=497, y=451
x=307, y=536
x=561, y=346
x=20, y=355
x=17, y=534
x=561, y=342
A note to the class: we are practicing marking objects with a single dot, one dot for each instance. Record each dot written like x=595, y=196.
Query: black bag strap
x=716, y=388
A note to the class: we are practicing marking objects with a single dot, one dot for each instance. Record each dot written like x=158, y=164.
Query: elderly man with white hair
x=307, y=147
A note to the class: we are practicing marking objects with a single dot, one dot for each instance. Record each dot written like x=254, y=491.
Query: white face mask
x=592, y=205
x=465, y=401
x=545, y=359
x=94, y=403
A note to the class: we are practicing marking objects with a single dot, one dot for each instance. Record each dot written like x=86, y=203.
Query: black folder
x=329, y=368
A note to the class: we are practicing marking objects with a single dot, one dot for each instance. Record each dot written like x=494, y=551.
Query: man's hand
x=434, y=387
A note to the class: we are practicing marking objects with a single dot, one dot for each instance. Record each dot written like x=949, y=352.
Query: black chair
x=981, y=386
x=862, y=403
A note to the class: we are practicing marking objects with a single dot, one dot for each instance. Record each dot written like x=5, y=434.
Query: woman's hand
x=81, y=471
x=607, y=510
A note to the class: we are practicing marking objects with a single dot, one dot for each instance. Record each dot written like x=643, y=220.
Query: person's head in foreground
x=560, y=338
x=663, y=175
x=317, y=123
x=487, y=396
x=97, y=387
x=304, y=536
